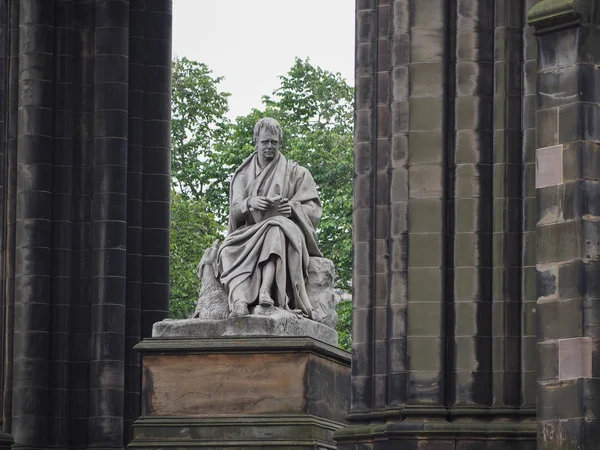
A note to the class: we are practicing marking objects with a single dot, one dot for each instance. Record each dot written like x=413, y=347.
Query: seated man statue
x=274, y=213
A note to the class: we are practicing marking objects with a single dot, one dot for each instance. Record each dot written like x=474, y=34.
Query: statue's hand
x=260, y=203
x=285, y=208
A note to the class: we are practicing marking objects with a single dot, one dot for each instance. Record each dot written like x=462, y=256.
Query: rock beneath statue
x=319, y=287
x=270, y=321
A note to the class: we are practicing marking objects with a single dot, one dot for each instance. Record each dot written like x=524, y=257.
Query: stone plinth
x=245, y=392
x=268, y=322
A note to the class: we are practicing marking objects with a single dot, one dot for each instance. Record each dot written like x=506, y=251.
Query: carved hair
x=269, y=124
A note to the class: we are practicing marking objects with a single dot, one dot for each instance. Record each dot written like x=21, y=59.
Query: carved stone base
x=441, y=429
x=268, y=322
x=6, y=441
x=242, y=393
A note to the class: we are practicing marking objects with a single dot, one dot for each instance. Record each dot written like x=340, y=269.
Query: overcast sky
x=252, y=42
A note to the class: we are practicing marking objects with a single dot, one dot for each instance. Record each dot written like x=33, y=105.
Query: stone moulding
x=553, y=15
x=243, y=345
x=460, y=424
x=464, y=429
x=209, y=432
x=450, y=414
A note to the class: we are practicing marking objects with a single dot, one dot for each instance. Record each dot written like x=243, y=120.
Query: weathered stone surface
x=271, y=230
x=264, y=322
x=568, y=231
x=319, y=287
x=270, y=392
x=231, y=384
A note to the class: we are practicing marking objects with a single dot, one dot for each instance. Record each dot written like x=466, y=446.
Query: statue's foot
x=264, y=299
x=239, y=309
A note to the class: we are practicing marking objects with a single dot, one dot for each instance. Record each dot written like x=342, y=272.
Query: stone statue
x=269, y=262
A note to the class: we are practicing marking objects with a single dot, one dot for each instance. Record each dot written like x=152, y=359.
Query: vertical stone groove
x=10, y=161
x=507, y=176
x=397, y=167
x=449, y=308
x=81, y=275
x=382, y=244
x=62, y=229
x=109, y=226
x=4, y=81
x=528, y=382
x=363, y=284
x=135, y=211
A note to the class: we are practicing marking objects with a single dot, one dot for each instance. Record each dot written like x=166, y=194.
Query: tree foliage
x=344, y=326
x=199, y=121
x=193, y=230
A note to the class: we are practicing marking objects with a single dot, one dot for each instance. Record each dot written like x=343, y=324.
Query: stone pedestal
x=242, y=393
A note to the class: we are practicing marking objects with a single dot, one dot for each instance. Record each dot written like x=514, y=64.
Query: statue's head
x=268, y=138
x=267, y=123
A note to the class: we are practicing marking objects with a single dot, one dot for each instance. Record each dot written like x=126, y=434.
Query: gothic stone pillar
x=568, y=226
x=441, y=330
x=84, y=176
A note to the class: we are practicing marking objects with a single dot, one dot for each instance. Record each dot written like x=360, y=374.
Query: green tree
x=193, y=230
x=199, y=120
x=344, y=327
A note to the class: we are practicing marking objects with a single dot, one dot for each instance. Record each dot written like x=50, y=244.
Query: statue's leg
x=268, y=275
x=239, y=303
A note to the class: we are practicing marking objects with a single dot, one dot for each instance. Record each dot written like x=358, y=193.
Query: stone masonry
x=568, y=224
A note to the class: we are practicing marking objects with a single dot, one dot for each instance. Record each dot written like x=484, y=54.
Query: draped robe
x=290, y=241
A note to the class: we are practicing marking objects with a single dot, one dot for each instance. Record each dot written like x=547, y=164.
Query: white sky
x=252, y=42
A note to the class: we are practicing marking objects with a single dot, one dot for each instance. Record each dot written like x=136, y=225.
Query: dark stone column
x=438, y=227
x=364, y=208
x=568, y=223
x=33, y=264
x=85, y=184
x=109, y=225
x=157, y=162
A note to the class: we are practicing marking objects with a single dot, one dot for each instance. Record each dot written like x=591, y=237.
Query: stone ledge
x=297, y=431
x=441, y=413
x=256, y=344
x=553, y=15
x=521, y=430
x=280, y=323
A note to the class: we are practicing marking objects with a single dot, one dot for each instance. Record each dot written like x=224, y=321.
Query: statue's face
x=268, y=144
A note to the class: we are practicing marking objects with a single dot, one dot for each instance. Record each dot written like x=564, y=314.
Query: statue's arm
x=240, y=210
x=309, y=204
x=239, y=202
